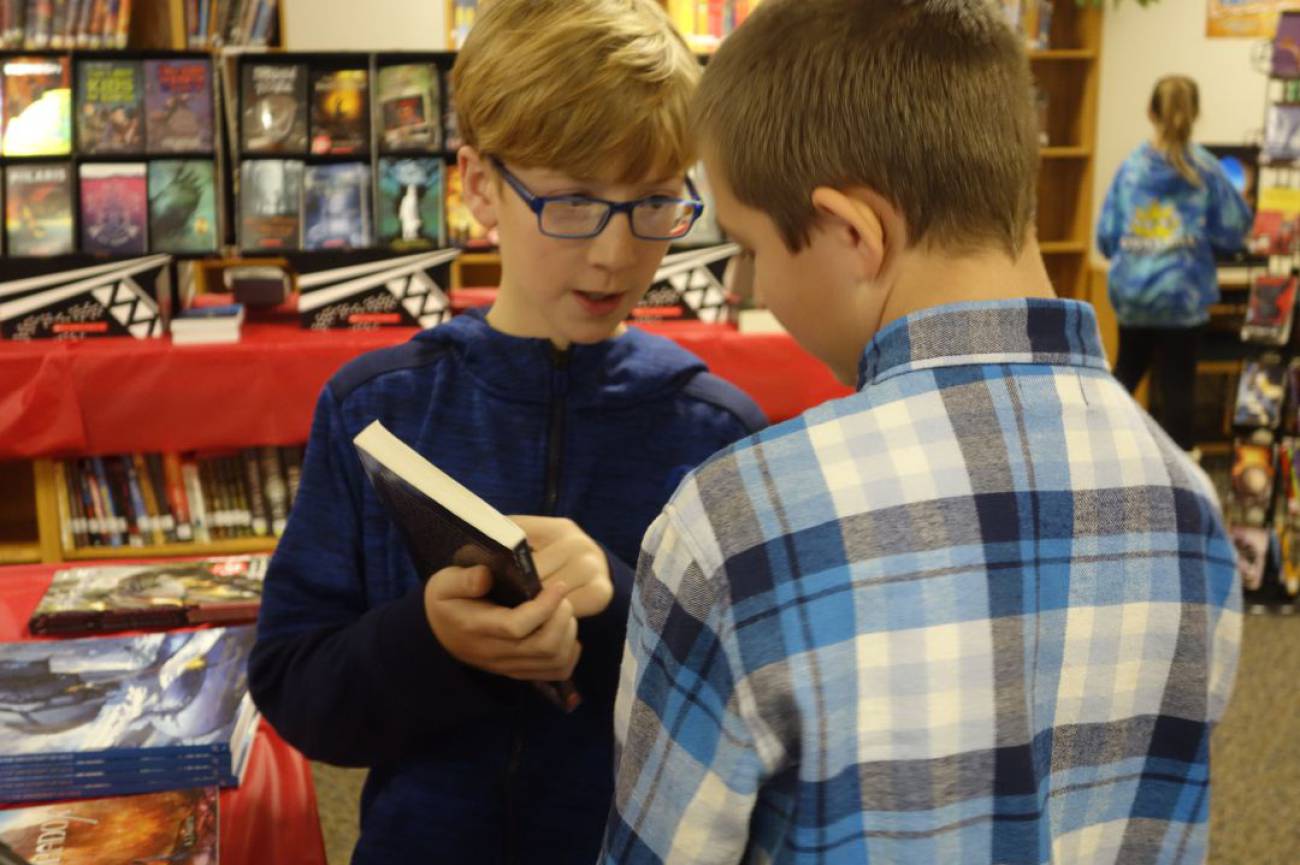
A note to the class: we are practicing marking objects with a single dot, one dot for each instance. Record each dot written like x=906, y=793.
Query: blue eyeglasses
x=658, y=217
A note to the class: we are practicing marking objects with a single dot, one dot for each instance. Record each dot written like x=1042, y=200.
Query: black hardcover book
x=444, y=524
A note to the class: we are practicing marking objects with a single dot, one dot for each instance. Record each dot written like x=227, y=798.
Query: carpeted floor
x=1256, y=770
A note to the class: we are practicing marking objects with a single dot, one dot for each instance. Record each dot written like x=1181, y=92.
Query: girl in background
x=1169, y=208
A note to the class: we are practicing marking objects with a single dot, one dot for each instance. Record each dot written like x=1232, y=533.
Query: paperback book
x=38, y=209
x=1260, y=393
x=273, y=98
x=37, y=107
x=1270, y=311
x=182, y=206
x=410, y=203
x=270, y=204
x=114, y=208
x=336, y=206
x=339, y=111
x=180, y=827
x=116, y=716
x=110, y=102
x=407, y=108
x=101, y=598
x=179, y=105
x=443, y=523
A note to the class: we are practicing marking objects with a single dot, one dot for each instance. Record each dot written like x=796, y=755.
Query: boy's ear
x=479, y=186
x=863, y=221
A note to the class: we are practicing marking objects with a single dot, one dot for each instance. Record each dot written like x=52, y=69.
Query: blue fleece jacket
x=1160, y=233
x=467, y=767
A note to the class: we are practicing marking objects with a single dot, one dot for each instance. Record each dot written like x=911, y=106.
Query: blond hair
x=595, y=89
x=927, y=102
x=1175, y=105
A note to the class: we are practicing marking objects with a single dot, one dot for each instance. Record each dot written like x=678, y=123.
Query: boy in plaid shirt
x=981, y=611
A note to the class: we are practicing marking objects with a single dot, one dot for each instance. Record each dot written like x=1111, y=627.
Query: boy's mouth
x=596, y=303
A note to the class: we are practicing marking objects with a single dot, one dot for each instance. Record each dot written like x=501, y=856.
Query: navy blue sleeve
x=602, y=636
x=341, y=681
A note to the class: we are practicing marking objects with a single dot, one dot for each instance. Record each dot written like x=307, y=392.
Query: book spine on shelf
x=178, y=496
x=140, y=477
x=90, y=503
x=157, y=482
x=124, y=501
x=116, y=530
x=67, y=522
x=66, y=470
x=275, y=489
x=256, y=494
x=235, y=472
x=197, y=503
x=291, y=459
x=214, y=508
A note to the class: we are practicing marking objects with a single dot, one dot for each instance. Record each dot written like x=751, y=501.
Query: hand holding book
x=535, y=641
x=565, y=553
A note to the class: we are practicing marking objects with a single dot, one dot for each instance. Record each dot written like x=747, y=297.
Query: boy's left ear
x=477, y=179
x=862, y=220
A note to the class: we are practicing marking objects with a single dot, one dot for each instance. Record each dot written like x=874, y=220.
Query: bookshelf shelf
x=19, y=553
x=235, y=547
x=1065, y=152
x=1063, y=247
x=1075, y=54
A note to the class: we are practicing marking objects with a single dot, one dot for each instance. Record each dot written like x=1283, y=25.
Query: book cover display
x=408, y=108
x=1252, y=546
x=110, y=99
x=336, y=206
x=163, y=595
x=273, y=99
x=1270, y=311
x=1253, y=468
x=114, y=208
x=689, y=286
x=124, y=715
x=340, y=110
x=178, y=827
x=37, y=107
x=402, y=292
x=1259, y=394
x=182, y=206
x=38, y=209
x=270, y=204
x=178, y=99
x=410, y=203
x=1282, y=134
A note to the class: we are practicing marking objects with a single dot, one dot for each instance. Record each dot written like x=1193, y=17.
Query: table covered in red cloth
x=119, y=395
x=270, y=817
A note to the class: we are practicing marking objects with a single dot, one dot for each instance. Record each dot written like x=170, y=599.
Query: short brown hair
x=928, y=102
x=590, y=88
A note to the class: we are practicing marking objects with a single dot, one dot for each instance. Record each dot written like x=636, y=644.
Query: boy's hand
x=535, y=641
x=565, y=553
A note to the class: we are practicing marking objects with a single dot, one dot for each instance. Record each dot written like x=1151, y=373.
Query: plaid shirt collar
x=1029, y=331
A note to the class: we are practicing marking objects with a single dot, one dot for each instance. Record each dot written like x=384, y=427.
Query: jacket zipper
x=551, y=500
x=555, y=438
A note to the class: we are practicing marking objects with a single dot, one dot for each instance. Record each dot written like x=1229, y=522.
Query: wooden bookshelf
x=1068, y=72
x=238, y=546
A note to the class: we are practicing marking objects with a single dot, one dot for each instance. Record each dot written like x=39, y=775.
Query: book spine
x=90, y=503
x=177, y=496
x=158, y=484
x=225, y=496
x=67, y=474
x=116, y=531
x=291, y=459
x=124, y=501
x=256, y=493
x=143, y=518
x=123, y=34
x=277, y=494
x=141, y=486
x=214, y=512
x=57, y=23
x=197, y=503
x=239, y=478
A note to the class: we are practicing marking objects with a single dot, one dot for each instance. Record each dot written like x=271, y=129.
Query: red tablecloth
x=118, y=395
x=271, y=817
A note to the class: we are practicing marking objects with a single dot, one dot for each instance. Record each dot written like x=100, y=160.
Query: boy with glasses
x=574, y=118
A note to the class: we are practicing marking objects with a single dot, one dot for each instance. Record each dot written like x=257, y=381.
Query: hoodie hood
x=626, y=369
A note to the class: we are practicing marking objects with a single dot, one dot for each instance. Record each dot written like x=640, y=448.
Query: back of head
x=595, y=89
x=1175, y=105
x=927, y=102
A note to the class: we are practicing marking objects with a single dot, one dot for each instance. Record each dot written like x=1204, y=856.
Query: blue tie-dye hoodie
x=1160, y=233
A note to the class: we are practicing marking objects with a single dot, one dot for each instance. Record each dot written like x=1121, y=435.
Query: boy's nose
x=615, y=247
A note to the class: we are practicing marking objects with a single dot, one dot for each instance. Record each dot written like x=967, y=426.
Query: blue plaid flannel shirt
x=981, y=611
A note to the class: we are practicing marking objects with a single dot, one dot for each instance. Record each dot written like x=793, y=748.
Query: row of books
x=1264, y=514
x=176, y=826
x=122, y=106
x=39, y=24
x=167, y=205
x=293, y=109
x=141, y=500
x=214, y=23
x=705, y=23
